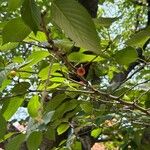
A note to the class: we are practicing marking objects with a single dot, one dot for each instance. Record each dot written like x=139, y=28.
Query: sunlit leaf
x=80, y=57
x=37, y=56
x=17, y=28
x=96, y=132
x=8, y=46
x=33, y=106
x=62, y=128
x=10, y=106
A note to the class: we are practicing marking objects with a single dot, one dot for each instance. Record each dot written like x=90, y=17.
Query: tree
x=80, y=69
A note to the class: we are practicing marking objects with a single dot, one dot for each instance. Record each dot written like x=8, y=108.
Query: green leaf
x=14, y=4
x=64, y=108
x=4, y=84
x=31, y=15
x=55, y=102
x=105, y=22
x=15, y=31
x=7, y=46
x=10, y=106
x=76, y=22
x=43, y=74
x=62, y=128
x=33, y=106
x=80, y=57
x=37, y=56
x=18, y=59
x=15, y=143
x=64, y=44
x=34, y=140
x=3, y=126
x=87, y=107
x=96, y=132
x=138, y=39
x=50, y=134
x=126, y=56
x=76, y=146
x=7, y=136
x=57, y=79
x=40, y=36
x=21, y=87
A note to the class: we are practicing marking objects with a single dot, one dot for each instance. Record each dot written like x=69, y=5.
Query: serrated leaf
x=126, y=56
x=96, y=132
x=15, y=31
x=3, y=126
x=76, y=22
x=138, y=39
x=34, y=140
x=10, y=106
x=14, y=4
x=15, y=143
x=31, y=15
x=33, y=106
x=62, y=128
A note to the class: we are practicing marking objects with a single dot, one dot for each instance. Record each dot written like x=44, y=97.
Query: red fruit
x=81, y=71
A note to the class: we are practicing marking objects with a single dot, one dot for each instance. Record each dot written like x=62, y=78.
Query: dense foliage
x=81, y=69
